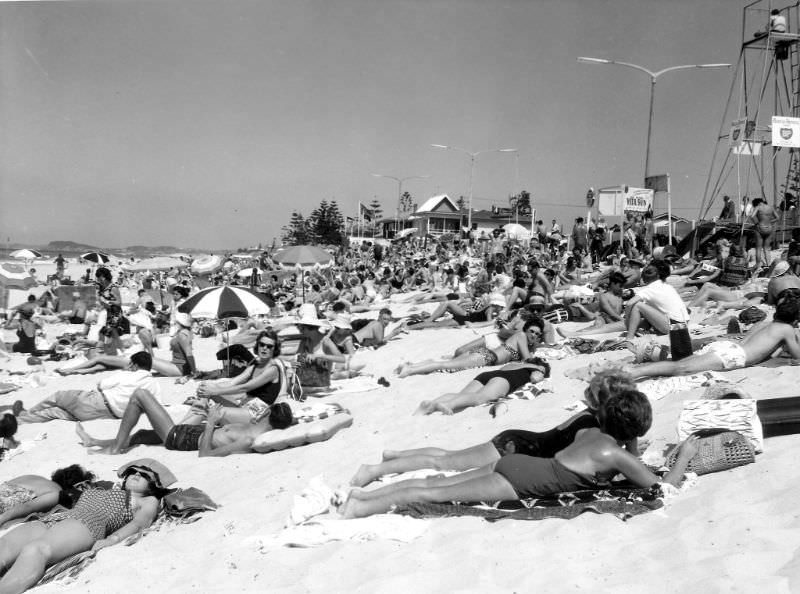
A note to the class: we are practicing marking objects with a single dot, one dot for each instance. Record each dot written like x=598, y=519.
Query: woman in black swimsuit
x=247, y=396
x=591, y=460
x=488, y=386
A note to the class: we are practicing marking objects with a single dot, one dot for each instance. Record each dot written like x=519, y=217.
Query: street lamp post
x=399, y=181
x=653, y=77
x=472, y=169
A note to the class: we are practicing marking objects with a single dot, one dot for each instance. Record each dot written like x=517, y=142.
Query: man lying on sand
x=209, y=439
x=757, y=346
x=105, y=401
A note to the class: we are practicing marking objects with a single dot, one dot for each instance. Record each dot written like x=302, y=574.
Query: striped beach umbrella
x=15, y=276
x=206, y=265
x=96, y=257
x=25, y=254
x=227, y=302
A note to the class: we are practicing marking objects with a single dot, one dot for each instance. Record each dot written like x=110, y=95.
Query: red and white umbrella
x=227, y=302
x=206, y=265
x=303, y=256
x=25, y=254
x=15, y=276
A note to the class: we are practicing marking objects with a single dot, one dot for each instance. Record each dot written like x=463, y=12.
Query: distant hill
x=70, y=246
x=157, y=248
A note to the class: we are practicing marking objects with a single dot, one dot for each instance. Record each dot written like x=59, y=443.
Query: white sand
x=735, y=531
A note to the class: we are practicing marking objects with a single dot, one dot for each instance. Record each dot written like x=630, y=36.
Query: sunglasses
x=266, y=344
x=535, y=331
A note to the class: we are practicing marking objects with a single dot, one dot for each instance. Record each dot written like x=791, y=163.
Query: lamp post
x=472, y=169
x=653, y=77
x=399, y=181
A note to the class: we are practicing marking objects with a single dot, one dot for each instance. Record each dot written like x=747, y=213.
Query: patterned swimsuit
x=102, y=511
x=12, y=495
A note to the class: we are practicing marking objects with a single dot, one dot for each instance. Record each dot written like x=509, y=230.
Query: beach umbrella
x=302, y=256
x=517, y=231
x=25, y=254
x=15, y=276
x=406, y=232
x=155, y=264
x=249, y=272
x=206, y=265
x=96, y=257
x=227, y=302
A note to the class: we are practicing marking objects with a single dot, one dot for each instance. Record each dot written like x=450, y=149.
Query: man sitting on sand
x=724, y=355
x=656, y=305
x=607, y=313
x=106, y=401
x=76, y=315
x=209, y=439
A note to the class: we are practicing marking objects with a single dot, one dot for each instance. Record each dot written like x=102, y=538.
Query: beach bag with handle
x=313, y=374
x=719, y=449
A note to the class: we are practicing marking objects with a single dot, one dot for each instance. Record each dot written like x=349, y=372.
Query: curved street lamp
x=472, y=169
x=653, y=76
x=399, y=181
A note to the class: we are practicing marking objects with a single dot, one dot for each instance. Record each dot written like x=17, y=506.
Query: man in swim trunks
x=373, y=334
x=210, y=439
x=764, y=217
x=756, y=347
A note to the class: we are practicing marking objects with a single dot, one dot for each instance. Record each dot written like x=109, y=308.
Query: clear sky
x=204, y=124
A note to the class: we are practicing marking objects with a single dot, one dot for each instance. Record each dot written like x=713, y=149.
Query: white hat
x=184, y=319
x=139, y=318
x=307, y=315
x=781, y=267
x=342, y=320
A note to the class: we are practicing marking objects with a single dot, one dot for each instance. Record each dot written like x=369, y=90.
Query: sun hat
x=781, y=267
x=184, y=319
x=307, y=316
x=155, y=470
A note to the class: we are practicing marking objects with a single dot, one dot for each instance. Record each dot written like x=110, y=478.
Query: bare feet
x=389, y=455
x=352, y=508
x=363, y=476
x=425, y=407
x=402, y=370
x=111, y=450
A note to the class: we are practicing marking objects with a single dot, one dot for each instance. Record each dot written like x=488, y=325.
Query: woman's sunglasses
x=268, y=345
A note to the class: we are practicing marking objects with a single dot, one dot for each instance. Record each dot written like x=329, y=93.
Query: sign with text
x=657, y=183
x=638, y=199
x=785, y=131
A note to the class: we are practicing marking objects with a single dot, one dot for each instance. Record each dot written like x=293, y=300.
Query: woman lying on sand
x=30, y=493
x=603, y=386
x=100, y=518
x=181, y=365
x=757, y=346
x=513, y=349
x=593, y=459
x=489, y=386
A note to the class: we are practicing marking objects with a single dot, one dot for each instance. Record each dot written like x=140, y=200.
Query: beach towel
x=658, y=388
x=622, y=502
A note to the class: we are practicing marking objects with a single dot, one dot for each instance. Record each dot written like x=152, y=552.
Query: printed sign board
x=785, y=131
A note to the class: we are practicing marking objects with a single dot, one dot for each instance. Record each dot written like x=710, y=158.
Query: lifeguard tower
x=747, y=162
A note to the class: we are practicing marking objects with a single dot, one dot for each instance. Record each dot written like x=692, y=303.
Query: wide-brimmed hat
x=781, y=267
x=159, y=474
x=307, y=316
x=184, y=319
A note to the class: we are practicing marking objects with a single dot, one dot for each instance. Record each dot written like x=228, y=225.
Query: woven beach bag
x=719, y=449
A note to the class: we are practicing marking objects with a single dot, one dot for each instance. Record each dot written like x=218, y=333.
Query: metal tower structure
x=766, y=83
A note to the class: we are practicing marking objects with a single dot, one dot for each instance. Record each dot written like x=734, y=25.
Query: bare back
x=762, y=342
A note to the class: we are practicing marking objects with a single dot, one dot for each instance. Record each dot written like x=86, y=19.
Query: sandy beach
x=732, y=531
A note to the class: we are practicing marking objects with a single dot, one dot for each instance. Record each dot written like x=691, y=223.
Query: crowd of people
x=515, y=295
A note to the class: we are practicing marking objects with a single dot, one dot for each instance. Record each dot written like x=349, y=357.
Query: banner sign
x=785, y=131
x=610, y=201
x=746, y=149
x=638, y=199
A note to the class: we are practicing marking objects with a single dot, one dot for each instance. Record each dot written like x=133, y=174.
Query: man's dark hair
x=142, y=360
x=788, y=310
x=103, y=273
x=626, y=415
x=8, y=426
x=617, y=278
x=280, y=416
x=538, y=361
x=663, y=267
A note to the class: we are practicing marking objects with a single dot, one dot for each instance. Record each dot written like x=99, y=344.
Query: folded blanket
x=658, y=388
x=623, y=502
